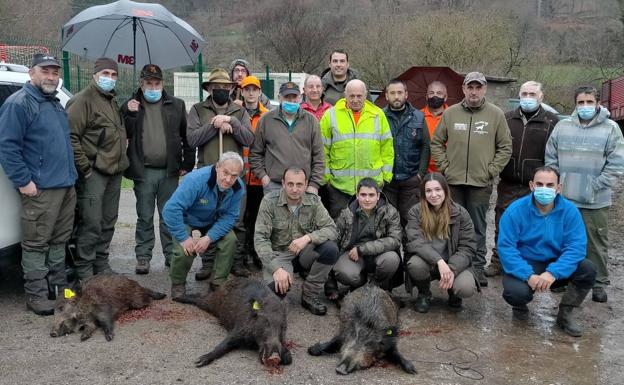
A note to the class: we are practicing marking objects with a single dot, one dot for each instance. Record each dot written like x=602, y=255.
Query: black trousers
x=519, y=293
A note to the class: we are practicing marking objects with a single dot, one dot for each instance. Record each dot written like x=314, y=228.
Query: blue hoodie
x=34, y=140
x=194, y=203
x=525, y=234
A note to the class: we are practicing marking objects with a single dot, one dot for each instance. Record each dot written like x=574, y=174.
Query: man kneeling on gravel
x=542, y=243
x=294, y=232
x=208, y=200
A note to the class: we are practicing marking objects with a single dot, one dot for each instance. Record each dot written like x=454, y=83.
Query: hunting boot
x=454, y=302
x=142, y=266
x=423, y=299
x=178, y=291
x=573, y=297
x=239, y=269
x=494, y=268
x=313, y=286
x=520, y=313
x=36, y=289
x=599, y=294
x=240, y=257
x=205, y=271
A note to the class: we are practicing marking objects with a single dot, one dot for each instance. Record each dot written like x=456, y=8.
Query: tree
x=294, y=35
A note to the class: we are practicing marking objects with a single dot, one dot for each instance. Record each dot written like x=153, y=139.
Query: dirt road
x=480, y=345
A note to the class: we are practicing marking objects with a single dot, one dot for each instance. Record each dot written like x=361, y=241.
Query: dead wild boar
x=254, y=317
x=369, y=326
x=99, y=301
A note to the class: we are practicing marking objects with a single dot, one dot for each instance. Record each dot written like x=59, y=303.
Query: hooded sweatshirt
x=589, y=158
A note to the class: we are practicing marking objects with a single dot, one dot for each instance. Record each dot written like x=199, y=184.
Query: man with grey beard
x=37, y=157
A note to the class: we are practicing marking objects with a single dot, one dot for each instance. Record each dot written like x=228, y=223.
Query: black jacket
x=179, y=155
x=528, y=144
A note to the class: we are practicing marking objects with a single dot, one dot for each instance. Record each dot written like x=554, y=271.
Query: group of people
x=326, y=185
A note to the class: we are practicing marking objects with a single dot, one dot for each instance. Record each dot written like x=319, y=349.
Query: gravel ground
x=480, y=345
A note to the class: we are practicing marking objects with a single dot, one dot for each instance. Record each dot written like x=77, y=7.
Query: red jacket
x=318, y=113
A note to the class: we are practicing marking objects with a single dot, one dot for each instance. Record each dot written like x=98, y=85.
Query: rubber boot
x=423, y=299
x=573, y=297
x=313, y=286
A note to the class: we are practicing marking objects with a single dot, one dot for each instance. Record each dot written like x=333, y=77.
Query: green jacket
x=275, y=148
x=388, y=231
x=202, y=134
x=98, y=134
x=471, y=146
x=355, y=151
x=277, y=226
x=332, y=91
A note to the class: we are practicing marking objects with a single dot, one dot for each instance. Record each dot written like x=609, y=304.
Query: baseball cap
x=44, y=60
x=250, y=81
x=475, y=77
x=289, y=88
x=151, y=71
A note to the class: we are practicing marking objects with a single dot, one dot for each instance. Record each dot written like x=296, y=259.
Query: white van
x=12, y=78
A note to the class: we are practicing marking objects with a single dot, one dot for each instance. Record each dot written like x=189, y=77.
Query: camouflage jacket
x=277, y=226
x=388, y=231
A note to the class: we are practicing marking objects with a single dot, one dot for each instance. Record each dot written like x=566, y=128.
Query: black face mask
x=220, y=97
x=435, y=102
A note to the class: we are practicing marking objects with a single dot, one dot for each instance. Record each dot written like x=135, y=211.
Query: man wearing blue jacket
x=207, y=200
x=542, y=242
x=36, y=155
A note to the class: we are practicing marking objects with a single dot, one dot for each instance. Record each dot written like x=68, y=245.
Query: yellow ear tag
x=255, y=305
x=389, y=332
x=68, y=293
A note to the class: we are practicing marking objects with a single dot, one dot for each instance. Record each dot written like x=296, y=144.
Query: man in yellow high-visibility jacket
x=358, y=144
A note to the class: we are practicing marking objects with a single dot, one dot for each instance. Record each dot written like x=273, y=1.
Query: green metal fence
x=77, y=71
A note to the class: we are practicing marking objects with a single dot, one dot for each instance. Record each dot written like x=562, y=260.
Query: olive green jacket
x=98, y=134
x=277, y=226
x=202, y=134
x=388, y=231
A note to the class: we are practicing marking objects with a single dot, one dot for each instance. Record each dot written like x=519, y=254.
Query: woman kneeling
x=440, y=245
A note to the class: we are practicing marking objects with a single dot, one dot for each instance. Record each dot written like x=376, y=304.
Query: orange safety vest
x=432, y=123
x=250, y=178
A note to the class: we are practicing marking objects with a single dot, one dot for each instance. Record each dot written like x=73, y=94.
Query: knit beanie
x=104, y=63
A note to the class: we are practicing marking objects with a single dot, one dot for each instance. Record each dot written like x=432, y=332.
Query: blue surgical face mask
x=529, y=104
x=586, y=113
x=544, y=195
x=105, y=83
x=152, y=96
x=290, y=107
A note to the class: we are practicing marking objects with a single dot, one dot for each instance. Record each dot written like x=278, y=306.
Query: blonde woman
x=440, y=244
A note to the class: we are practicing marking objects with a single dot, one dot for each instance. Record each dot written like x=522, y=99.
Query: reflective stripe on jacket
x=355, y=151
